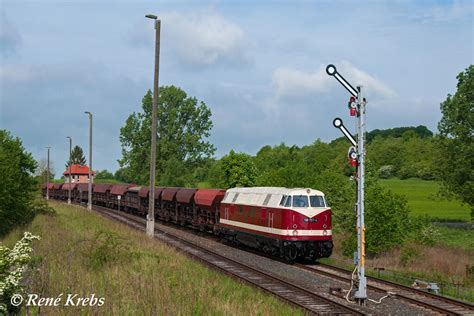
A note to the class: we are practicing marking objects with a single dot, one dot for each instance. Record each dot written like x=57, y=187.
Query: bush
x=13, y=262
x=408, y=254
x=422, y=231
x=386, y=219
x=386, y=172
x=40, y=206
x=105, y=248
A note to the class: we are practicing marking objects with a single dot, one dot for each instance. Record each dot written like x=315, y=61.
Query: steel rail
x=424, y=299
x=291, y=293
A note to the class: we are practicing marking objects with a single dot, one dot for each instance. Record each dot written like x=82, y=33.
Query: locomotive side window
x=267, y=198
x=288, y=201
x=235, y=197
x=317, y=201
x=283, y=199
x=300, y=201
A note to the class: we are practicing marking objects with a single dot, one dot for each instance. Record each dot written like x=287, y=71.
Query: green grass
x=459, y=238
x=82, y=252
x=422, y=200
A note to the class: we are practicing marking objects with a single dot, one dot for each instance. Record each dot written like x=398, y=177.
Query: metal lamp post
x=150, y=223
x=89, y=197
x=69, y=169
x=47, y=177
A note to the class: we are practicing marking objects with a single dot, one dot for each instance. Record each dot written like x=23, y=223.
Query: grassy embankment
x=81, y=252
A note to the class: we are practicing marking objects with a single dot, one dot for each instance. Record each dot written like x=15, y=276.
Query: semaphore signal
x=356, y=156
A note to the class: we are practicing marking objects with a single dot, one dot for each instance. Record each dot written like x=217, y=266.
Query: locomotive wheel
x=291, y=253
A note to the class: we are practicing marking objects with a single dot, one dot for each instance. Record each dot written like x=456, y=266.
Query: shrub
x=422, y=231
x=105, y=248
x=40, y=206
x=408, y=254
x=386, y=172
x=13, y=262
x=386, y=218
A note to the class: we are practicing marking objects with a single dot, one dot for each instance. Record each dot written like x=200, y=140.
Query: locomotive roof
x=276, y=190
x=264, y=196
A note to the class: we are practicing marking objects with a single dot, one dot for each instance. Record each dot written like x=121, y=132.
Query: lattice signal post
x=356, y=155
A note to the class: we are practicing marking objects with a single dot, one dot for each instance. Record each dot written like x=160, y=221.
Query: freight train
x=290, y=223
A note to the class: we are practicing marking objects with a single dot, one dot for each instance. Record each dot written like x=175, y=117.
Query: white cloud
x=204, y=38
x=290, y=83
x=199, y=39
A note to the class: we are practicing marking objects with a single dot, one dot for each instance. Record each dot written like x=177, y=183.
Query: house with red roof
x=79, y=174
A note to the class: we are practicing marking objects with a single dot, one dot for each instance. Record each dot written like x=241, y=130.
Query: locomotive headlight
x=324, y=226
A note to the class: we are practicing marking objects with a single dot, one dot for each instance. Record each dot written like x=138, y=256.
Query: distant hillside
x=397, y=132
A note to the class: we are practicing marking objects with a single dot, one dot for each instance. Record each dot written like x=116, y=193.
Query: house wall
x=75, y=178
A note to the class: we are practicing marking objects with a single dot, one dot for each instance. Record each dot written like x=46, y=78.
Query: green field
x=422, y=200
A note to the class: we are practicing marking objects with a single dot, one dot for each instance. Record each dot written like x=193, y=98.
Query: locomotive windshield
x=317, y=201
x=300, y=201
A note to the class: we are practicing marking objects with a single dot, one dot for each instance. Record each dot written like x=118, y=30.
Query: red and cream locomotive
x=287, y=222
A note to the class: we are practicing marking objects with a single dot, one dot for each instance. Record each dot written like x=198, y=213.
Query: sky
x=258, y=65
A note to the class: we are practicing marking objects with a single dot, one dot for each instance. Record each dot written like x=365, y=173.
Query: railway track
x=424, y=299
x=294, y=294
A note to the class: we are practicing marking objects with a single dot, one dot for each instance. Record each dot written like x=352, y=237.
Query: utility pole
x=356, y=155
x=69, y=168
x=150, y=223
x=89, y=199
x=47, y=177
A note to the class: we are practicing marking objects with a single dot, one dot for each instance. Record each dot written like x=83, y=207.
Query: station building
x=79, y=174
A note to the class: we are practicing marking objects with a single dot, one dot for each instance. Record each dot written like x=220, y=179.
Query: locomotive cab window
x=317, y=201
x=288, y=201
x=300, y=201
x=283, y=199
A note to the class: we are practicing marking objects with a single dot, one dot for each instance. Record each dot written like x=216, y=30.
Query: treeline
x=409, y=154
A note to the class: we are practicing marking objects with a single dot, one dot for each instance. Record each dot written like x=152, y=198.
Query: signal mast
x=356, y=155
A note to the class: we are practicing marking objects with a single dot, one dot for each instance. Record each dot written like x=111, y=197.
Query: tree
x=456, y=140
x=184, y=124
x=42, y=170
x=239, y=170
x=18, y=185
x=123, y=175
x=104, y=174
x=77, y=157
